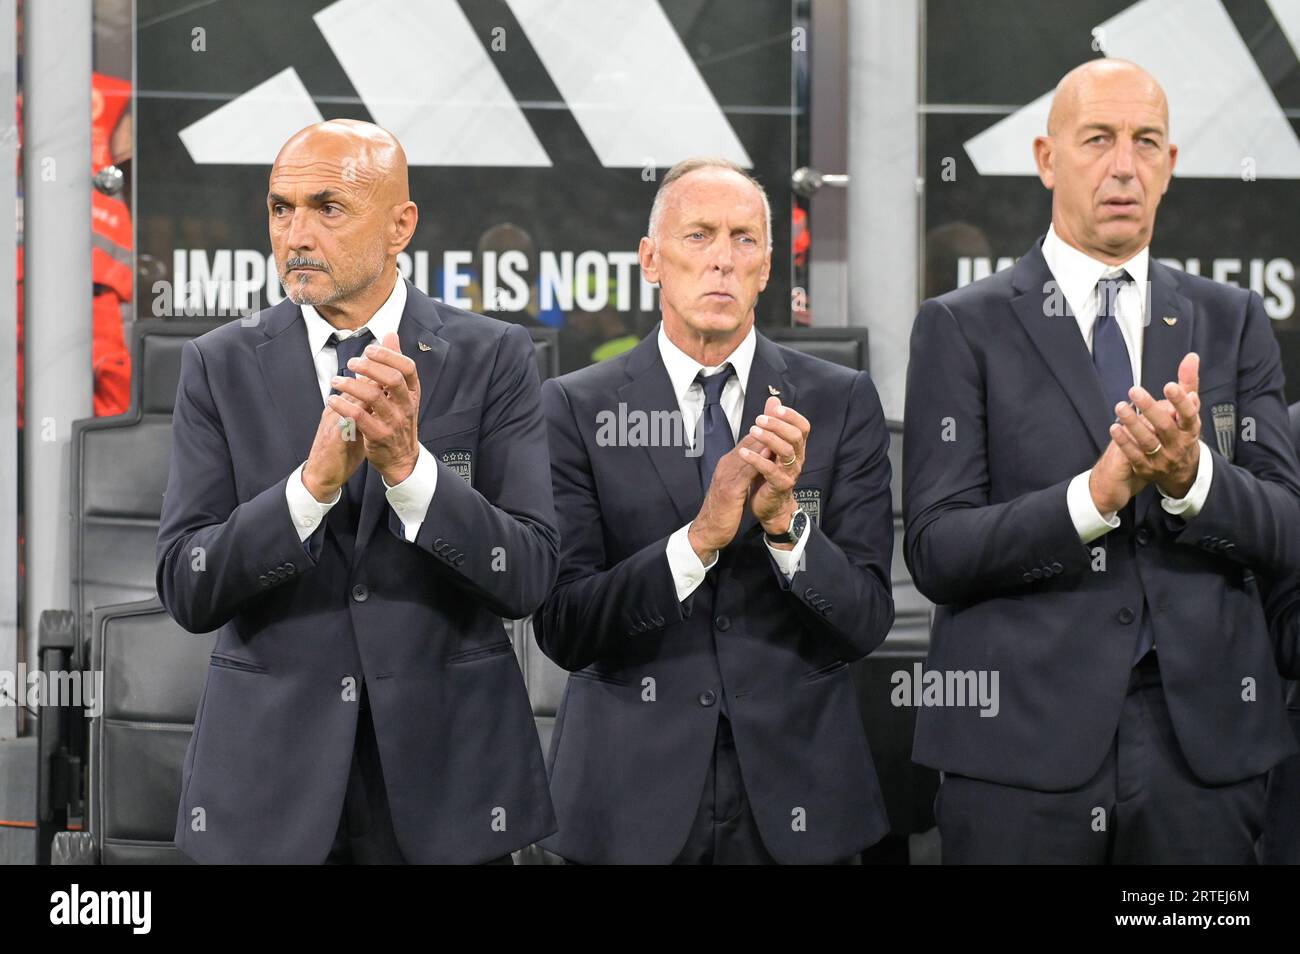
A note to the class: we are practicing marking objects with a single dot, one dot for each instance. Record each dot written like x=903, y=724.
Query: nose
x=722, y=256
x=1122, y=159
x=300, y=235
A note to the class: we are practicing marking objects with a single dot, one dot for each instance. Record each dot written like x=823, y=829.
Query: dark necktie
x=715, y=431
x=347, y=349
x=1109, y=353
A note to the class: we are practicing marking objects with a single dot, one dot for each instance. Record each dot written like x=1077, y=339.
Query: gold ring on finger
x=1152, y=453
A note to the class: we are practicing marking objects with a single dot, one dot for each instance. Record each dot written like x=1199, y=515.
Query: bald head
x=1107, y=158
x=1095, y=82
x=340, y=212
x=363, y=153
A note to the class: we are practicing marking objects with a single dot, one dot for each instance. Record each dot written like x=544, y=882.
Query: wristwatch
x=798, y=523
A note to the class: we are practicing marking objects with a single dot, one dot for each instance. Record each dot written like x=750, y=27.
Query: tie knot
x=714, y=383
x=351, y=346
x=1108, y=288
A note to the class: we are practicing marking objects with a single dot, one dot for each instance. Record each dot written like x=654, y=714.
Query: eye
x=695, y=235
x=747, y=240
x=330, y=209
x=1099, y=138
x=278, y=208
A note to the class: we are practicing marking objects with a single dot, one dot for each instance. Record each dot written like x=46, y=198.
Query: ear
x=1173, y=161
x=405, y=217
x=1044, y=158
x=767, y=270
x=648, y=256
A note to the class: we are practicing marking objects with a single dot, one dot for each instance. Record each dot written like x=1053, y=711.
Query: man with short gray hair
x=716, y=575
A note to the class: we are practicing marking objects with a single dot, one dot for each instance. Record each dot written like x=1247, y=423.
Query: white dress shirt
x=1077, y=275
x=409, y=499
x=684, y=563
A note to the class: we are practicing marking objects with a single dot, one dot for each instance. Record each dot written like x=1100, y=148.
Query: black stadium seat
x=153, y=674
x=843, y=346
x=119, y=472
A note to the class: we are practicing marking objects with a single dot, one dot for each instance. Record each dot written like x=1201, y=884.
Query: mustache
x=299, y=261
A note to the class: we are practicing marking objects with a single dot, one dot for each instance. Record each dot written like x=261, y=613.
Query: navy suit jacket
x=634, y=733
x=1004, y=407
x=267, y=766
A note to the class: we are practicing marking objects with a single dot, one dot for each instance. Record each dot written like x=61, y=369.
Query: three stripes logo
x=425, y=75
x=1222, y=109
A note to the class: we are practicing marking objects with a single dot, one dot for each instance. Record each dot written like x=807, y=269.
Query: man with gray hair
x=717, y=576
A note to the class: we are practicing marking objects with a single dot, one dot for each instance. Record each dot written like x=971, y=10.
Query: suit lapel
x=1057, y=338
x=290, y=377
x=651, y=390
x=419, y=327
x=1165, y=341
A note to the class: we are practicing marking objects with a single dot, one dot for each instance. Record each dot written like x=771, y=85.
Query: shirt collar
x=386, y=319
x=1078, y=273
x=682, y=368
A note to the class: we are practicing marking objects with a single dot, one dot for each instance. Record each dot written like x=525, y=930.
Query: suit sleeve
x=216, y=553
x=595, y=608
x=498, y=540
x=842, y=582
x=959, y=546
x=1252, y=511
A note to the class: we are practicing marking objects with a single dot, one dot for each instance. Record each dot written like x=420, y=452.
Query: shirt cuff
x=789, y=561
x=1189, y=506
x=1089, y=522
x=410, y=499
x=687, y=570
x=307, y=512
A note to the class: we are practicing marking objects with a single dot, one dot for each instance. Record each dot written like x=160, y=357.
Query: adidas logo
x=426, y=76
x=1223, y=115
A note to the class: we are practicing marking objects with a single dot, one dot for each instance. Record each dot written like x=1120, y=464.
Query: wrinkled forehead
x=714, y=194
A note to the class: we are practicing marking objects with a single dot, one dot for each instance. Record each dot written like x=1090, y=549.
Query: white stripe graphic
x=427, y=78
x=631, y=84
x=250, y=129
x=1221, y=109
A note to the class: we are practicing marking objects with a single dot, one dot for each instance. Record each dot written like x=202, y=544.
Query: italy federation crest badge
x=1225, y=426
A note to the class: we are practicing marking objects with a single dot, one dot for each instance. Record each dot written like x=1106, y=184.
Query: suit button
x=263, y=580
x=1143, y=536
x=1036, y=573
x=1057, y=568
x=360, y=593
x=722, y=623
x=1027, y=577
x=708, y=697
x=1125, y=615
x=1229, y=546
